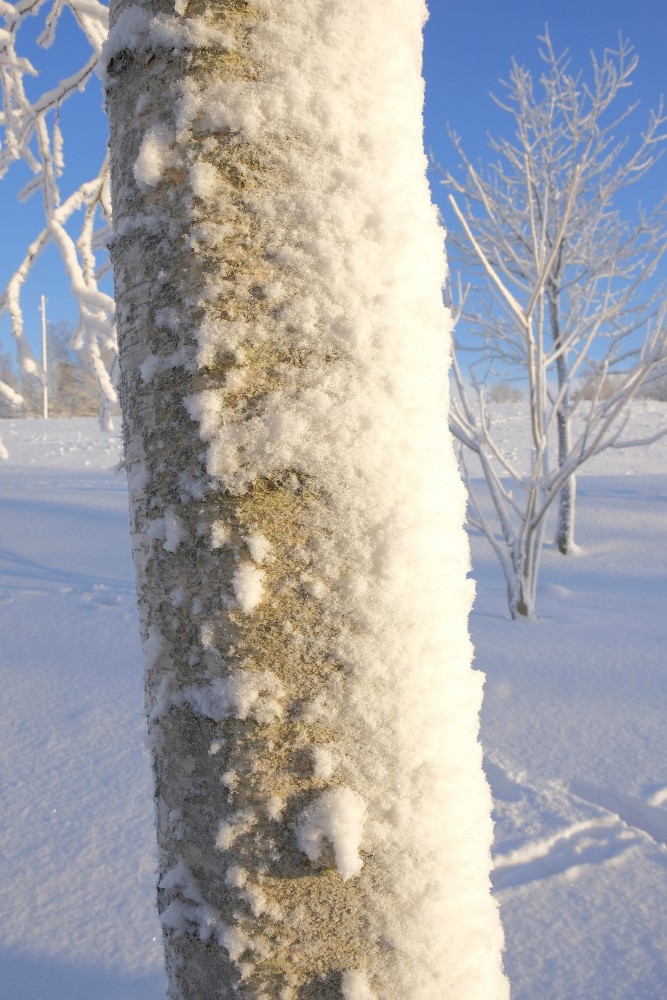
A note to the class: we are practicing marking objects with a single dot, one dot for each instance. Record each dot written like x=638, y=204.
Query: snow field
x=77, y=864
x=573, y=731
x=572, y=726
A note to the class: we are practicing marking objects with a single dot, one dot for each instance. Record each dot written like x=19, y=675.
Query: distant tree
x=559, y=286
x=72, y=381
x=656, y=386
x=504, y=392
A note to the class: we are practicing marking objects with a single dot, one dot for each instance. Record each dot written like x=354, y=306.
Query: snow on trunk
x=323, y=820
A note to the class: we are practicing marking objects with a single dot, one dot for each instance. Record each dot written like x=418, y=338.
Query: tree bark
x=322, y=819
x=564, y=538
x=567, y=496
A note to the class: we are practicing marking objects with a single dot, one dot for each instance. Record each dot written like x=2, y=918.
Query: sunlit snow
x=573, y=728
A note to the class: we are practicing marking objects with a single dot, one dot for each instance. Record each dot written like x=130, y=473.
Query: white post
x=45, y=388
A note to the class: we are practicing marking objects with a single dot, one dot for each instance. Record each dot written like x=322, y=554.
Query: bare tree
x=562, y=292
x=76, y=224
x=72, y=385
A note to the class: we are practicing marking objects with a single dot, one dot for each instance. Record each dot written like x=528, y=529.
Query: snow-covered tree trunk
x=526, y=553
x=566, y=500
x=323, y=820
x=564, y=537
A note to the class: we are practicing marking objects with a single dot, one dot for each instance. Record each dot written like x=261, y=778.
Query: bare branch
x=560, y=288
x=30, y=132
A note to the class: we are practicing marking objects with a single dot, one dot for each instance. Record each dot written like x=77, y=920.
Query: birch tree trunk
x=322, y=817
x=564, y=537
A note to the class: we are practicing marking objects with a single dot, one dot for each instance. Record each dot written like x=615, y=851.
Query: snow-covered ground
x=76, y=862
x=573, y=727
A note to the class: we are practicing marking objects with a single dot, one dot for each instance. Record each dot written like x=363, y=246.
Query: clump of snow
x=275, y=806
x=254, y=896
x=236, y=877
x=229, y=830
x=204, y=179
x=317, y=588
x=234, y=380
x=235, y=941
x=177, y=823
x=138, y=30
x=337, y=815
x=156, y=529
x=174, y=530
x=153, y=645
x=220, y=534
x=207, y=636
x=156, y=155
x=154, y=364
x=230, y=779
x=316, y=709
x=248, y=586
x=187, y=908
x=205, y=407
x=324, y=762
x=137, y=478
x=167, y=318
x=134, y=223
x=149, y=367
x=355, y=986
x=180, y=876
x=259, y=547
x=243, y=694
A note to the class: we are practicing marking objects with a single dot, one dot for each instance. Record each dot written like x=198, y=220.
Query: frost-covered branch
x=564, y=294
x=75, y=221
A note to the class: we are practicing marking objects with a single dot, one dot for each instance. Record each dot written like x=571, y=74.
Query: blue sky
x=468, y=47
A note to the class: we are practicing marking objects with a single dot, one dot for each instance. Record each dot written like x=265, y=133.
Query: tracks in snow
x=616, y=823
